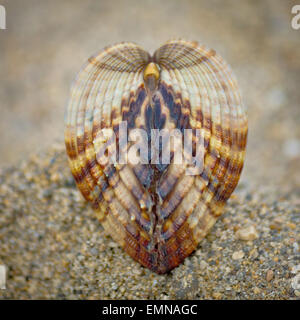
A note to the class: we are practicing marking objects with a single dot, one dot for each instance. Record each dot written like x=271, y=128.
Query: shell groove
x=156, y=212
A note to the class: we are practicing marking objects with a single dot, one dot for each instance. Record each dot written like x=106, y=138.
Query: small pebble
x=296, y=282
x=270, y=275
x=276, y=224
x=237, y=255
x=217, y=295
x=112, y=244
x=253, y=253
x=256, y=290
x=203, y=265
x=247, y=233
x=2, y=277
x=295, y=247
x=122, y=289
x=296, y=269
x=291, y=225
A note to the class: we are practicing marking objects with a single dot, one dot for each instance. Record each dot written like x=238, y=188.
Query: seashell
x=158, y=212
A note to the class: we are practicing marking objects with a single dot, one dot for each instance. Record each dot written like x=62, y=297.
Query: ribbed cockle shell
x=157, y=212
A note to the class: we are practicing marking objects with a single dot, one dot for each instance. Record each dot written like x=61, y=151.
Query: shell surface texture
x=156, y=211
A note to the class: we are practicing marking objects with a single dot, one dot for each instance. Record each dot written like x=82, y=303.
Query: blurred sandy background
x=46, y=42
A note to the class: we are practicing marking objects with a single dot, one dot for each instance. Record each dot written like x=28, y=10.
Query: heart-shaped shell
x=156, y=212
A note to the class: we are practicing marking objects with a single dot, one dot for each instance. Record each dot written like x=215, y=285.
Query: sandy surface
x=50, y=241
x=54, y=247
